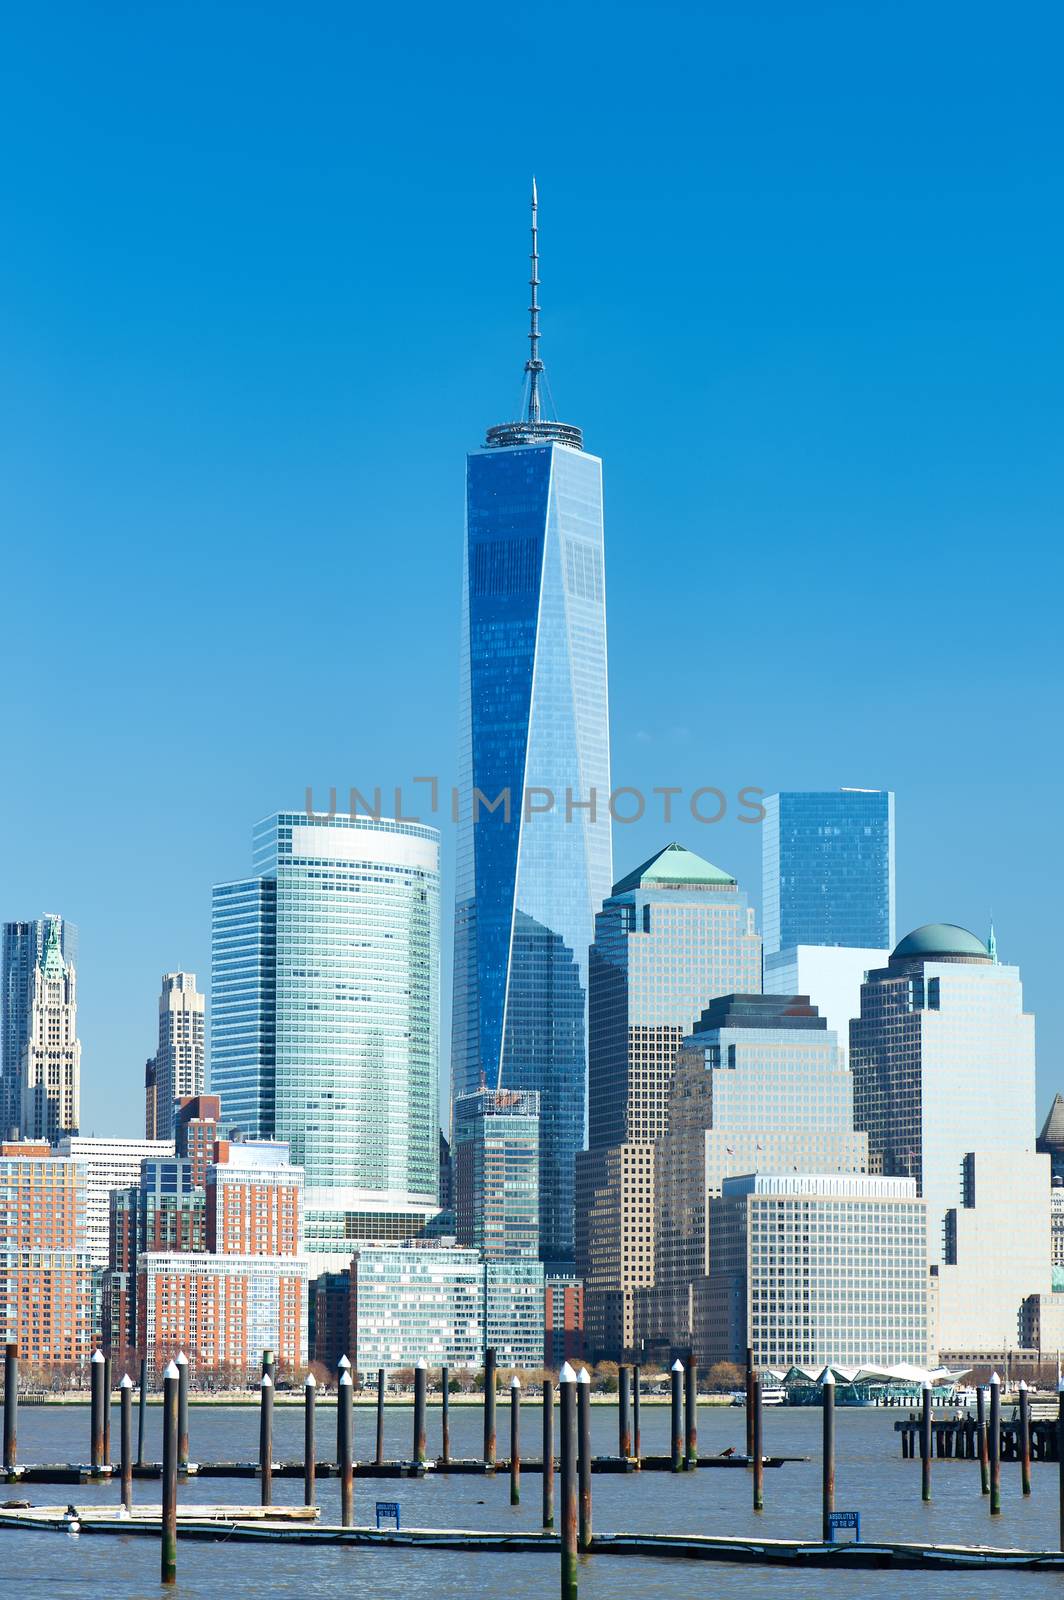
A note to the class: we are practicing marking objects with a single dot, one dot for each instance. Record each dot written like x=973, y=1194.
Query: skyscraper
x=325, y=1018
x=179, y=1058
x=50, y=1101
x=534, y=855
x=759, y=1086
x=496, y=1173
x=673, y=935
x=943, y=1064
x=23, y=950
x=827, y=862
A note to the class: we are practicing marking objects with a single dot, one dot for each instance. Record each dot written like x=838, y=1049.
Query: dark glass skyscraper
x=534, y=855
x=828, y=869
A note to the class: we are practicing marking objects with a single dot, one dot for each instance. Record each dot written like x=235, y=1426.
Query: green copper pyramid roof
x=53, y=964
x=674, y=864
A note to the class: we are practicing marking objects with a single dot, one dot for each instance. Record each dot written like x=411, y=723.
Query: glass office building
x=325, y=1018
x=943, y=1061
x=827, y=869
x=534, y=858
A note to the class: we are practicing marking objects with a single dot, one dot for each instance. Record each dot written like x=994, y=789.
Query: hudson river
x=871, y=1478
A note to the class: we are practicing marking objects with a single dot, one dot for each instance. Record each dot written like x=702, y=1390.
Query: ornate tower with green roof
x=50, y=1077
x=674, y=934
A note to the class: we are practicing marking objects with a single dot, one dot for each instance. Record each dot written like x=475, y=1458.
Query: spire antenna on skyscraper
x=532, y=427
x=534, y=366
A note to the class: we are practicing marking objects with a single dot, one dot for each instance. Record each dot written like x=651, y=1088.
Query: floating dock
x=75, y=1472
x=298, y=1525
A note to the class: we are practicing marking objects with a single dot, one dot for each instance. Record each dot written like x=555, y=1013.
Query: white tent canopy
x=937, y=1377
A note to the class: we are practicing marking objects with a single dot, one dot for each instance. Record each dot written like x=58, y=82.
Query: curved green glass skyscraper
x=534, y=855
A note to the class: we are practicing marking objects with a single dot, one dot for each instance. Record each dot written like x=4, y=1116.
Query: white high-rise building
x=50, y=1077
x=109, y=1164
x=181, y=1053
x=942, y=1056
x=830, y=974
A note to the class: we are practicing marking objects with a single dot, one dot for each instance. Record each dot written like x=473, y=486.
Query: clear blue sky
x=263, y=284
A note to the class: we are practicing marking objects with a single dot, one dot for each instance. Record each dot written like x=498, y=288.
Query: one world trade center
x=534, y=853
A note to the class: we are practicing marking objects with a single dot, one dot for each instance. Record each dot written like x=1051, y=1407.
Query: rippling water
x=871, y=1478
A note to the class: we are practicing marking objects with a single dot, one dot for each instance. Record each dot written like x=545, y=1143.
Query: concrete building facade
x=181, y=1054
x=758, y=1086
x=674, y=934
x=809, y=1269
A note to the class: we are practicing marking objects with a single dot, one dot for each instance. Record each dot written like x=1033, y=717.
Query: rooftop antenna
x=534, y=366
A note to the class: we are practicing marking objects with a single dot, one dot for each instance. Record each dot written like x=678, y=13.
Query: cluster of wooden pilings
x=571, y=1511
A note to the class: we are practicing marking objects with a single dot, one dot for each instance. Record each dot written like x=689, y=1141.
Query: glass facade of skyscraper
x=326, y=1016
x=534, y=857
x=827, y=869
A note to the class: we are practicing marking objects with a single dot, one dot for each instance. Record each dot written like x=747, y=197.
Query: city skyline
x=817, y=357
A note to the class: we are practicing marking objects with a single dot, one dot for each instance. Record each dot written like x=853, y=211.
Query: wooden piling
x=1025, y=1438
x=515, y=1440
x=925, y=1442
x=1060, y=1465
x=749, y=1403
x=445, y=1416
x=182, y=1409
x=379, y=1458
x=266, y=1439
x=421, y=1379
x=624, y=1413
x=10, y=1407
x=489, y=1406
x=126, y=1439
x=984, y=1452
x=995, y=1445
x=142, y=1409
x=827, y=1458
x=96, y=1411
x=691, y=1416
x=343, y=1368
x=637, y=1438
x=106, y=1409
x=310, y=1449
x=344, y=1446
x=758, y=1453
x=568, y=1540
x=548, y=1453
x=676, y=1379
x=583, y=1412
x=171, y=1382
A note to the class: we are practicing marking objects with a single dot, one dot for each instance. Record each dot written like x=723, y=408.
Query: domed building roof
x=940, y=941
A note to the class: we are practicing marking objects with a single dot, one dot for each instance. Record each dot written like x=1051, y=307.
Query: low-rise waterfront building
x=998, y=1251
x=413, y=1302
x=564, y=1321
x=223, y=1311
x=815, y=1268
x=515, y=1312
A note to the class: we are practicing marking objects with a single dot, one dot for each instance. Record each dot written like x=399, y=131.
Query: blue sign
x=845, y=1519
x=388, y=1508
